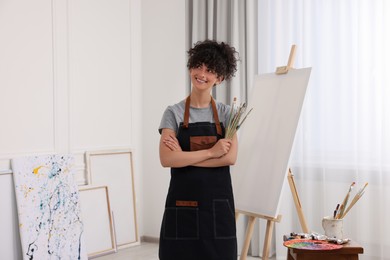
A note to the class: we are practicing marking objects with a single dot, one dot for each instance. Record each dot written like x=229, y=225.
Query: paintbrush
x=231, y=116
x=244, y=119
x=233, y=107
x=345, y=201
x=336, y=210
x=358, y=195
x=234, y=122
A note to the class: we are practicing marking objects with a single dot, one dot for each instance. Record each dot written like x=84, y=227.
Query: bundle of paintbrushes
x=343, y=208
x=235, y=122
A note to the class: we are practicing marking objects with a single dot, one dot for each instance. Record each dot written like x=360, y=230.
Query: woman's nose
x=203, y=70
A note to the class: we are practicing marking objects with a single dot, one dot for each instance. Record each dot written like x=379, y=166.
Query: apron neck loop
x=187, y=112
x=216, y=119
x=215, y=115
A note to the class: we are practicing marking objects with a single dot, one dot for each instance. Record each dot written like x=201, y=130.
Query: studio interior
x=84, y=85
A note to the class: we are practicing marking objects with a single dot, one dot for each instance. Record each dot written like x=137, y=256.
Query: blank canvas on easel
x=266, y=140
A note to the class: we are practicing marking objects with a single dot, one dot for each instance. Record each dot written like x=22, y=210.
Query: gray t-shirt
x=173, y=115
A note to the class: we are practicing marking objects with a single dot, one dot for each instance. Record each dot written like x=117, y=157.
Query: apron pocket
x=181, y=223
x=202, y=142
x=224, y=219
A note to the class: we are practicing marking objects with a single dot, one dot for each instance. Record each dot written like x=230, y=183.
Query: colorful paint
x=308, y=244
x=48, y=208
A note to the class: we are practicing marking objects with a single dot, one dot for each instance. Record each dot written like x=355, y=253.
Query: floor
x=146, y=251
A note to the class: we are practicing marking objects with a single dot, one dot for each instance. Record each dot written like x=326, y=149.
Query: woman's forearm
x=223, y=153
x=218, y=162
x=177, y=159
x=226, y=160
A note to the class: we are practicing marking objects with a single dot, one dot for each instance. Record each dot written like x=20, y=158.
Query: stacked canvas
x=48, y=206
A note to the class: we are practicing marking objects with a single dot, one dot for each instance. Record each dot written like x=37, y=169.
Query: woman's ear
x=219, y=80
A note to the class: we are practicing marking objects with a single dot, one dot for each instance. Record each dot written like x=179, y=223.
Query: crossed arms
x=223, y=153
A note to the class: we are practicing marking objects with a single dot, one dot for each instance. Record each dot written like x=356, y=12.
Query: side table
x=349, y=251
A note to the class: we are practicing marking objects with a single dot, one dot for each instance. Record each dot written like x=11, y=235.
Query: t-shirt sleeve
x=168, y=120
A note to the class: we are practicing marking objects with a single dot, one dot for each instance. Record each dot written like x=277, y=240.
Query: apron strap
x=216, y=119
x=187, y=112
x=215, y=115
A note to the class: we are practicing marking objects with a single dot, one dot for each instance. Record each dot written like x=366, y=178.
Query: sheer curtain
x=344, y=131
x=231, y=21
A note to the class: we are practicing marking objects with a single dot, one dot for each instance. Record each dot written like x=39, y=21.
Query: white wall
x=70, y=77
x=164, y=74
x=85, y=75
x=70, y=81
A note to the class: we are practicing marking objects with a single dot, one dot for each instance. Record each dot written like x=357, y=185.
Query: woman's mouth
x=200, y=80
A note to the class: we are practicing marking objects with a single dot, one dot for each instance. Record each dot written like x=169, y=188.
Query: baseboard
x=149, y=239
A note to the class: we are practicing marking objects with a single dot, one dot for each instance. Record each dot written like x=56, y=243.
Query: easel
x=249, y=231
x=297, y=202
x=290, y=175
x=271, y=220
x=285, y=69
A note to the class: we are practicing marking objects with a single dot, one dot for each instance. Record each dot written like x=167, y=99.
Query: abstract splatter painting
x=48, y=206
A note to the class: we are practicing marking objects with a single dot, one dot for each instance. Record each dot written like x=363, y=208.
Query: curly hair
x=220, y=58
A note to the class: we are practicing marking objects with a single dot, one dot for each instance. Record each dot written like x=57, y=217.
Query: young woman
x=199, y=220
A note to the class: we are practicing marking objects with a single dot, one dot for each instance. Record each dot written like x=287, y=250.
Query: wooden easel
x=285, y=69
x=297, y=202
x=249, y=231
x=271, y=220
x=290, y=176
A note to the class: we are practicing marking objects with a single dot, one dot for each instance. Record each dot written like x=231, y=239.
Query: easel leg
x=297, y=202
x=249, y=232
x=268, y=238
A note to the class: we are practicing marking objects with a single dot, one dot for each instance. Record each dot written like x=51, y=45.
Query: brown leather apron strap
x=187, y=112
x=216, y=119
x=215, y=115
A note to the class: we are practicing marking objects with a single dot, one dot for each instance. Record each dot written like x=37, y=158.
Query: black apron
x=199, y=218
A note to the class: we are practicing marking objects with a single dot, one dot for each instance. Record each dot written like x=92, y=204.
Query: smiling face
x=204, y=79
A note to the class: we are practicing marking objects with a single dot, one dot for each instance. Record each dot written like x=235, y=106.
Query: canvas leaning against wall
x=48, y=207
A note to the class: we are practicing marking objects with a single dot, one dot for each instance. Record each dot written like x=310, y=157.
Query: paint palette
x=308, y=244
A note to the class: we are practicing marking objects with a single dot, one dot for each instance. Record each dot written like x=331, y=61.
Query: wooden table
x=350, y=251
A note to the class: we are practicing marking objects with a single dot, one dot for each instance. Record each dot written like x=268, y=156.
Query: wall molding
x=3, y=172
x=60, y=18
x=79, y=169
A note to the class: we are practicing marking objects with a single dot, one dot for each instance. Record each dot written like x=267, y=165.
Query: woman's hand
x=172, y=143
x=221, y=148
